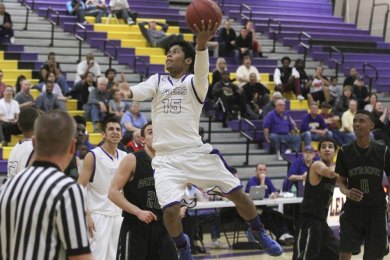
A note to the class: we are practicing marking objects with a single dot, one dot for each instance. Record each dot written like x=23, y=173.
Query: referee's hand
x=146, y=216
x=355, y=195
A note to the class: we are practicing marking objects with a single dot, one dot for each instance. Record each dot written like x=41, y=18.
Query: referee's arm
x=71, y=224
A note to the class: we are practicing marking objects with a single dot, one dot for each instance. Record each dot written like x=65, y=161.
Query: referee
x=42, y=214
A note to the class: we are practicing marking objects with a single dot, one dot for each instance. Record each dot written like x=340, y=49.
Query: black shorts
x=368, y=224
x=318, y=96
x=315, y=240
x=141, y=241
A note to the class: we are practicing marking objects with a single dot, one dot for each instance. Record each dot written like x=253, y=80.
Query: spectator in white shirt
x=9, y=113
x=287, y=79
x=85, y=66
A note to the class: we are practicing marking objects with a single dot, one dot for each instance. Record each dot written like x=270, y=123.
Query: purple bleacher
x=315, y=17
x=3, y=166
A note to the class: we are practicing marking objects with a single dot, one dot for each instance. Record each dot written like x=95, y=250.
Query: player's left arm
x=321, y=169
x=201, y=63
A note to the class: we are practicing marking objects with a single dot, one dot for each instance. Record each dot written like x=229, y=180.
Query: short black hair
x=327, y=139
x=144, y=127
x=365, y=112
x=109, y=70
x=188, y=49
x=51, y=54
x=285, y=58
x=109, y=119
x=27, y=119
x=80, y=120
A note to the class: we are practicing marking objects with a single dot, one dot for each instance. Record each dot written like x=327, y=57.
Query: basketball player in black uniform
x=143, y=235
x=314, y=239
x=360, y=165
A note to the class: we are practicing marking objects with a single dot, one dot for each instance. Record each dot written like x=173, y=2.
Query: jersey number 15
x=172, y=106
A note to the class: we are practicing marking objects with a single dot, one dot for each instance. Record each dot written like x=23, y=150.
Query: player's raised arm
x=323, y=170
x=144, y=90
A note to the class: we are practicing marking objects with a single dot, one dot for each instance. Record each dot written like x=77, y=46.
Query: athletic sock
x=180, y=241
x=255, y=224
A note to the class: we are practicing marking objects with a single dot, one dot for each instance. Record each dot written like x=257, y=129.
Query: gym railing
x=245, y=7
x=106, y=52
x=146, y=72
x=78, y=37
x=271, y=30
x=28, y=9
x=53, y=23
x=332, y=50
x=248, y=137
x=305, y=46
x=371, y=79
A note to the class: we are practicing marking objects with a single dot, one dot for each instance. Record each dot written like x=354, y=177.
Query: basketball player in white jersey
x=181, y=157
x=103, y=217
x=22, y=152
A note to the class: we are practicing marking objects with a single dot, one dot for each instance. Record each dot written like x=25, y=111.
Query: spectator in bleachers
x=18, y=84
x=76, y=7
x=110, y=75
x=121, y=9
x=82, y=89
x=333, y=122
x=353, y=75
x=47, y=101
x=372, y=103
x=6, y=31
x=9, y=113
x=299, y=66
x=136, y=143
x=227, y=39
x=342, y=102
x=116, y=106
x=347, y=121
x=85, y=66
x=93, y=6
x=56, y=90
x=318, y=86
x=227, y=98
x=313, y=126
x=133, y=119
x=381, y=129
x=271, y=104
x=335, y=90
x=287, y=78
x=220, y=66
x=243, y=71
x=51, y=65
x=2, y=84
x=297, y=172
x=256, y=96
x=156, y=37
x=361, y=93
x=272, y=220
x=243, y=45
x=256, y=47
x=96, y=107
x=278, y=127
x=124, y=90
x=24, y=97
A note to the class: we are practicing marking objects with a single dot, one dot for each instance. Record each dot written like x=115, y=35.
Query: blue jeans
x=342, y=137
x=293, y=141
x=61, y=81
x=308, y=136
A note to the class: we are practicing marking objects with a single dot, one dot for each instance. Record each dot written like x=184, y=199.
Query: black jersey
x=364, y=170
x=140, y=190
x=317, y=199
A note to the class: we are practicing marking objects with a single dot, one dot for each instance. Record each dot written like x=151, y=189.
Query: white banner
x=335, y=207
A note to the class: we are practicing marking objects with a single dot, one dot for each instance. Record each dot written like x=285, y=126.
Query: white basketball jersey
x=176, y=106
x=19, y=157
x=105, y=167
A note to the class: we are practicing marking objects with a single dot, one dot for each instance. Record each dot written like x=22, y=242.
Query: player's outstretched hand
x=146, y=216
x=204, y=34
x=355, y=195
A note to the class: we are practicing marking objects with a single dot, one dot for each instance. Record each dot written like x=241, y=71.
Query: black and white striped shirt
x=42, y=215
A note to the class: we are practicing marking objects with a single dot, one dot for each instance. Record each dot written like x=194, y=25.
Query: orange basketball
x=205, y=10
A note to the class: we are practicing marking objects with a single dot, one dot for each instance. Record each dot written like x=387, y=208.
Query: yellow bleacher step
x=35, y=93
x=149, y=51
x=14, y=73
x=76, y=112
x=264, y=78
x=71, y=104
x=9, y=64
x=103, y=27
x=158, y=59
x=15, y=139
x=298, y=105
x=125, y=36
x=188, y=37
x=6, y=152
x=12, y=81
x=2, y=55
x=125, y=43
x=95, y=138
x=92, y=19
x=89, y=127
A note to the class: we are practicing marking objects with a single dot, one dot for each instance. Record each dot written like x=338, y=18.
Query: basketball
x=205, y=10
